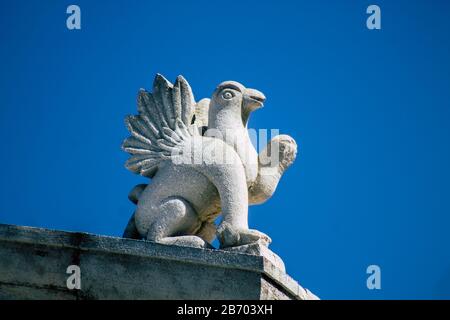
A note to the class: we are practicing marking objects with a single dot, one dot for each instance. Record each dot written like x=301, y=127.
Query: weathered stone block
x=33, y=264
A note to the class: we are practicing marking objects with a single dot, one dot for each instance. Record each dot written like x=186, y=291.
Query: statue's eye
x=228, y=95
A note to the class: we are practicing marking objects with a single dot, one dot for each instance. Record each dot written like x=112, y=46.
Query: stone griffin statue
x=202, y=164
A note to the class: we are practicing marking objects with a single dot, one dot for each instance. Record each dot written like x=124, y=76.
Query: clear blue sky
x=369, y=109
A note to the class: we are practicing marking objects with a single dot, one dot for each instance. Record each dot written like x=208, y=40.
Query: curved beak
x=253, y=99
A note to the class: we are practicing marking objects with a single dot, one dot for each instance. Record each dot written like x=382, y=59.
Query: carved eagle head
x=233, y=96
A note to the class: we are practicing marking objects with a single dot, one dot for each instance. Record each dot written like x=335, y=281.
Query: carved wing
x=162, y=127
x=201, y=112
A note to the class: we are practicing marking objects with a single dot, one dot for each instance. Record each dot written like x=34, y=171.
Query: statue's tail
x=131, y=231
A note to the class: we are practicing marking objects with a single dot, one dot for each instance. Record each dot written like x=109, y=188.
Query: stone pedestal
x=34, y=261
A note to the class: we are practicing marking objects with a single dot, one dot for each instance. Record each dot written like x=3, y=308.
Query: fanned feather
x=187, y=100
x=202, y=112
x=162, y=126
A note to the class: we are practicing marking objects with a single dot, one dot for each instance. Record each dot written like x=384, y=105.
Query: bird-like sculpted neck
x=225, y=118
x=226, y=122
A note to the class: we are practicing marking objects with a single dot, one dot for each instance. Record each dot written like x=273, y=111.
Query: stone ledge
x=33, y=263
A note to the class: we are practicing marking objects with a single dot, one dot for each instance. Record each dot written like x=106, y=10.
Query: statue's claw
x=232, y=237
